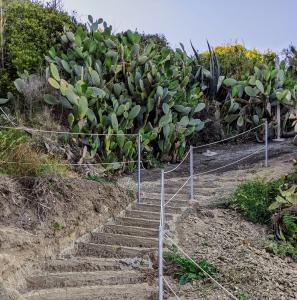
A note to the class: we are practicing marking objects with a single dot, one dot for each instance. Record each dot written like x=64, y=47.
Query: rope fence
x=69, y=164
x=170, y=288
x=229, y=138
x=214, y=170
x=172, y=170
x=163, y=204
x=67, y=132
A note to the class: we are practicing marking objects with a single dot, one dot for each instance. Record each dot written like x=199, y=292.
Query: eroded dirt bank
x=41, y=217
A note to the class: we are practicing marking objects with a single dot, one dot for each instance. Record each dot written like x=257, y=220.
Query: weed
x=185, y=270
x=252, y=199
x=242, y=295
x=57, y=227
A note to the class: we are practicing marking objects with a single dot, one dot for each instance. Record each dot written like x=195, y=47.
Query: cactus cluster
x=254, y=98
x=114, y=84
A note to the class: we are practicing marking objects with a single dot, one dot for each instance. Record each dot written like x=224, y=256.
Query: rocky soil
x=236, y=247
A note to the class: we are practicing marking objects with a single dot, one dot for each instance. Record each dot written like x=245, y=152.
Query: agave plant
x=211, y=79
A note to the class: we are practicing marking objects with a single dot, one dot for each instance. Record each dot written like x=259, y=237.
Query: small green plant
x=57, y=227
x=283, y=249
x=242, y=295
x=252, y=199
x=185, y=270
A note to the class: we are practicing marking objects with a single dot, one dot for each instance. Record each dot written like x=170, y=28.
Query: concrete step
x=146, y=215
x=138, y=222
x=140, y=291
x=130, y=230
x=76, y=279
x=184, y=195
x=173, y=203
x=111, y=251
x=176, y=184
x=83, y=264
x=156, y=208
x=152, y=195
x=123, y=240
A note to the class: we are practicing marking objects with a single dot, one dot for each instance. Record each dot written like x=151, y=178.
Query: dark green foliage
x=291, y=226
x=273, y=203
x=30, y=30
x=253, y=198
x=291, y=178
x=185, y=270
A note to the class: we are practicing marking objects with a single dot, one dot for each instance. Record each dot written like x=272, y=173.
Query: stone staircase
x=113, y=262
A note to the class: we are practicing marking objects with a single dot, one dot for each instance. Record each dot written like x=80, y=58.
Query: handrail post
x=266, y=143
x=191, y=173
x=139, y=166
x=161, y=237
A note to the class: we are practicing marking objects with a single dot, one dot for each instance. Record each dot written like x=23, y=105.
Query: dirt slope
x=41, y=217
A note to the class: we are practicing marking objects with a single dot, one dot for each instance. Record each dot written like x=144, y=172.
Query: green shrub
x=185, y=270
x=253, y=198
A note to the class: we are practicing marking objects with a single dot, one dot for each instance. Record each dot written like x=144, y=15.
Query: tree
x=31, y=29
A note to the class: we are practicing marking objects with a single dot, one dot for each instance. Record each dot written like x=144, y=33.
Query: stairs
x=112, y=263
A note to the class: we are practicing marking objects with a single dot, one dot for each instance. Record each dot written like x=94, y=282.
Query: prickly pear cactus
x=255, y=98
x=113, y=84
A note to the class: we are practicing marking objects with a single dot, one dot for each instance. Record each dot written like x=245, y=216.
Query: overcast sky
x=261, y=24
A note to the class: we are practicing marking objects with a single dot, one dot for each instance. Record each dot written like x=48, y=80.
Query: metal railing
x=163, y=204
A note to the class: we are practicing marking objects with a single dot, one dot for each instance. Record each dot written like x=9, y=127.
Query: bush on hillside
x=253, y=198
x=236, y=61
x=30, y=31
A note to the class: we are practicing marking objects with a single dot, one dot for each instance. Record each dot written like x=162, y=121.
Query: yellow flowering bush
x=236, y=61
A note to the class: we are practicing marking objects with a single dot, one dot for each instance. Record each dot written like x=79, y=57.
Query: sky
x=261, y=24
